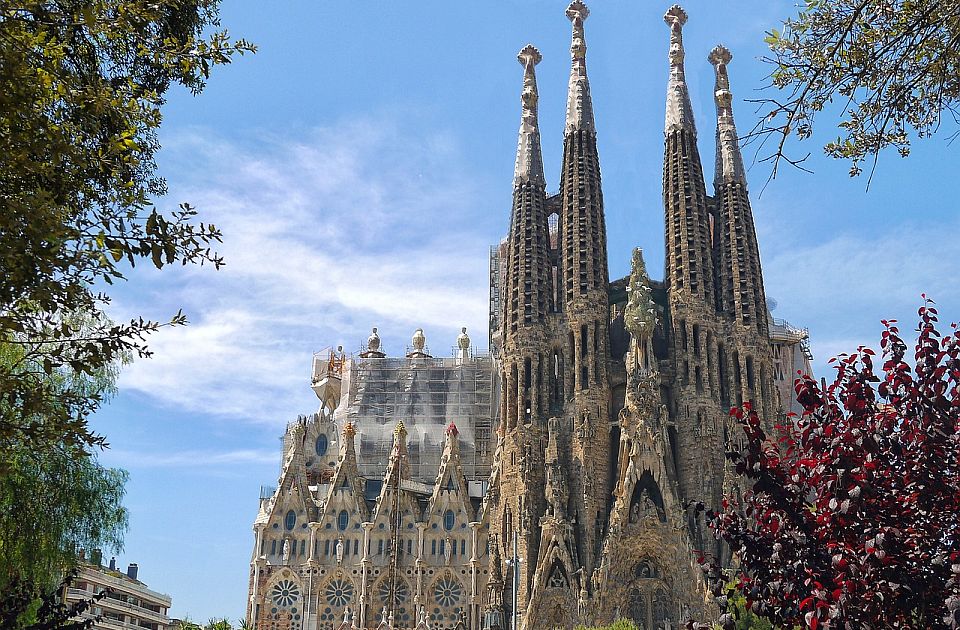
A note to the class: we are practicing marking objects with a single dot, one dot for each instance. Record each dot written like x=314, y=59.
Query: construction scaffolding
x=427, y=394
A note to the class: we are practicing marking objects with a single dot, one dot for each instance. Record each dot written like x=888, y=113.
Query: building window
x=273, y=547
x=379, y=547
x=321, y=444
x=433, y=547
x=291, y=520
x=343, y=519
x=449, y=519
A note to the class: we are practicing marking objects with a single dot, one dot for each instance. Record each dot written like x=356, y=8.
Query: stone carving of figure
x=339, y=550
x=648, y=505
x=556, y=491
x=373, y=341
x=286, y=551
x=447, y=551
x=583, y=600
x=463, y=339
x=635, y=513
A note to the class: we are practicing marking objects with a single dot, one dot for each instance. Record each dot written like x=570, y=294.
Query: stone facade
x=543, y=485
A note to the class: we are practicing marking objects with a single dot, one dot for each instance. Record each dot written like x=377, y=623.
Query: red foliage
x=852, y=519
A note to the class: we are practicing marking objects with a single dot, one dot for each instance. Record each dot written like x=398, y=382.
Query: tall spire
x=579, y=103
x=740, y=281
x=679, y=111
x=529, y=166
x=689, y=260
x=729, y=160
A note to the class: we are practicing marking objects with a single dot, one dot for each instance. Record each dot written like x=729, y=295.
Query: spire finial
x=579, y=103
x=679, y=110
x=729, y=165
x=529, y=165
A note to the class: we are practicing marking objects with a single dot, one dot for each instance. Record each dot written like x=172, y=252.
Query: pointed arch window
x=451, y=484
x=343, y=519
x=449, y=519
x=290, y=521
x=321, y=444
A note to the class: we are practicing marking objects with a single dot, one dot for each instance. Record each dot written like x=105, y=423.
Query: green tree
x=890, y=68
x=57, y=499
x=21, y=609
x=54, y=504
x=82, y=83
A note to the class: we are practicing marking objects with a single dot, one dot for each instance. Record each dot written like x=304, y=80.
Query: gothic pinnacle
x=529, y=167
x=579, y=103
x=729, y=165
x=679, y=110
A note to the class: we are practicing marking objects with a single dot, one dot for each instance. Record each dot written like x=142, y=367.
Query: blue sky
x=360, y=166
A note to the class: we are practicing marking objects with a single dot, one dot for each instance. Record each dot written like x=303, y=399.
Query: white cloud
x=190, y=459
x=324, y=236
x=842, y=287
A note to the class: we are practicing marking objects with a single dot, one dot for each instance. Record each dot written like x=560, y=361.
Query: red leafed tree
x=852, y=518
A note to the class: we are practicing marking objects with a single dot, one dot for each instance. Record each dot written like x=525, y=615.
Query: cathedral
x=541, y=484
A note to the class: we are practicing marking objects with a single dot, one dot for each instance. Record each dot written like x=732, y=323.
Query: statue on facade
x=285, y=554
x=339, y=550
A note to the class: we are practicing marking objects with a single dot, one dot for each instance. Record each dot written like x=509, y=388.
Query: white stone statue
x=286, y=551
x=419, y=340
x=373, y=341
x=463, y=345
x=447, y=551
x=339, y=550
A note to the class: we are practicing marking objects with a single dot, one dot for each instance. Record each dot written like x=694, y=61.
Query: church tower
x=740, y=294
x=693, y=320
x=517, y=498
x=583, y=252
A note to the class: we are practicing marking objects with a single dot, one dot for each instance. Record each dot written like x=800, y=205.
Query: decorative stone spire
x=740, y=292
x=729, y=161
x=579, y=103
x=679, y=111
x=689, y=256
x=529, y=166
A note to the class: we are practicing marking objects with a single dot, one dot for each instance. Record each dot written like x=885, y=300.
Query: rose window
x=338, y=593
x=400, y=593
x=447, y=591
x=285, y=593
